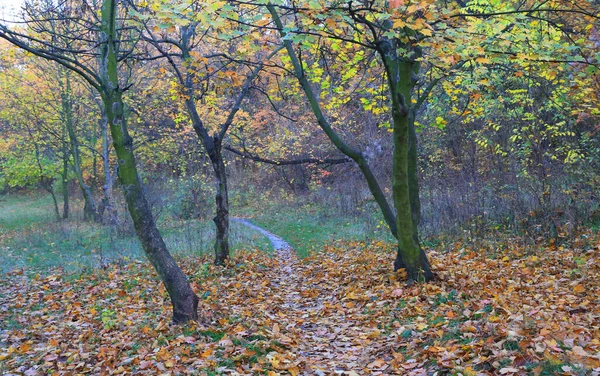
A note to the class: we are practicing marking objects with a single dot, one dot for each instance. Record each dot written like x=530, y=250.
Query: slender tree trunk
x=65, y=173
x=106, y=205
x=213, y=149
x=221, y=218
x=45, y=182
x=55, y=201
x=89, y=209
x=355, y=155
x=183, y=298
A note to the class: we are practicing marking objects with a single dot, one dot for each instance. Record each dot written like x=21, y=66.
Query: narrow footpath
x=321, y=339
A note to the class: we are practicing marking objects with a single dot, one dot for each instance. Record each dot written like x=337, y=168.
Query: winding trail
x=279, y=245
x=322, y=341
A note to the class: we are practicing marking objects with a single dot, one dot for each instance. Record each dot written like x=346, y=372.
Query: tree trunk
x=46, y=182
x=357, y=156
x=212, y=145
x=65, y=174
x=413, y=176
x=183, y=298
x=415, y=201
x=106, y=205
x=337, y=141
x=89, y=208
x=410, y=255
x=221, y=218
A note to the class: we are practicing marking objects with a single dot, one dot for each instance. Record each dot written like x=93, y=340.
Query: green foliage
x=108, y=319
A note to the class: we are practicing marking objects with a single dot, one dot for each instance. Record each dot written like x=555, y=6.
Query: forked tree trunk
x=213, y=147
x=183, y=298
x=358, y=157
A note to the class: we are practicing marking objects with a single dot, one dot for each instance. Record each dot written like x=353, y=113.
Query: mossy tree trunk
x=400, y=72
x=183, y=298
x=405, y=167
x=104, y=78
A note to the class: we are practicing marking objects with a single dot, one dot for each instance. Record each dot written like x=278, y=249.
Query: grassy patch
x=307, y=227
x=32, y=238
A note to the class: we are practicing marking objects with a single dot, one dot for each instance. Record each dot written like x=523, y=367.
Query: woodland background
x=504, y=101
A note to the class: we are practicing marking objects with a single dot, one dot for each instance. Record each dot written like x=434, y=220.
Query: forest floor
x=493, y=310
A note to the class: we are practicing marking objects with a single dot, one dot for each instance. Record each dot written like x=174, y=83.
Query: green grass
x=21, y=212
x=308, y=227
x=31, y=238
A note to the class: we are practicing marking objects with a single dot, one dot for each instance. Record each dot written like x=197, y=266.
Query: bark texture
x=183, y=298
x=400, y=72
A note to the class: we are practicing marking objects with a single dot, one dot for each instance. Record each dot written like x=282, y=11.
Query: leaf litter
x=342, y=311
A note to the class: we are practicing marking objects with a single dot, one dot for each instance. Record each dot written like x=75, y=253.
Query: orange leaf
x=579, y=289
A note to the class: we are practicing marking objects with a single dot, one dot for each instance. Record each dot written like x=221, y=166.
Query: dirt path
x=322, y=340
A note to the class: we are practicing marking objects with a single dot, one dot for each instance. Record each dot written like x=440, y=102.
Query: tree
x=410, y=255
x=89, y=209
x=179, y=37
x=419, y=44
x=80, y=23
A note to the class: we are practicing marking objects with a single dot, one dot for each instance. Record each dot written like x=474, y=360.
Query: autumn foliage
x=520, y=310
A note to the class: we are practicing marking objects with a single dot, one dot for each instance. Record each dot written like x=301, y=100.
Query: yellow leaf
x=374, y=334
x=398, y=24
x=426, y=32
